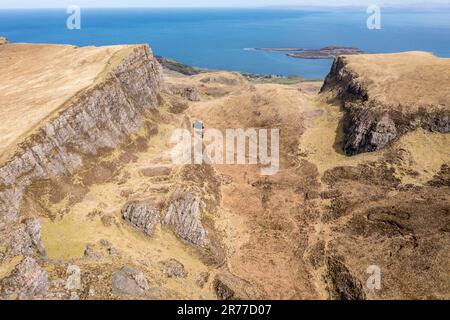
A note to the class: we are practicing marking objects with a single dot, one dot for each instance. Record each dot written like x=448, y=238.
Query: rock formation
x=386, y=96
x=129, y=281
x=86, y=177
x=174, y=269
x=229, y=287
x=142, y=215
x=27, y=281
x=101, y=116
x=23, y=239
x=343, y=285
x=184, y=215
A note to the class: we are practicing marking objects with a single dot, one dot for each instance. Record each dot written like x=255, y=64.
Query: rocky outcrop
x=156, y=171
x=188, y=92
x=23, y=239
x=176, y=66
x=229, y=287
x=141, y=215
x=342, y=284
x=33, y=227
x=442, y=178
x=27, y=281
x=129, y=281
x=371, y=120
x=99, y=117
x=174, y=269
x=202, y=279
x=184, y=215
x=344, y=82
x=191, y=94
x=3, y=40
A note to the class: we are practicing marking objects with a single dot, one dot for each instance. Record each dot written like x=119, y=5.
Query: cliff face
x=89, y=211
x=100, y=116
x=379, y=107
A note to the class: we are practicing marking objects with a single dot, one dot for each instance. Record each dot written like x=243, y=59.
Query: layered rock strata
x=386, y=96
x=100, y=116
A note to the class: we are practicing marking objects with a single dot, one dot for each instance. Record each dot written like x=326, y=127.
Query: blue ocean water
x=218, y=38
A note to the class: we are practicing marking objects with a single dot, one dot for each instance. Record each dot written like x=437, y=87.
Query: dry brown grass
x=411, y=79
x=269, y=225
x=38, y=79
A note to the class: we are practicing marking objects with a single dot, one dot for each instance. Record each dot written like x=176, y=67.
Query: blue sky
x=209, y=3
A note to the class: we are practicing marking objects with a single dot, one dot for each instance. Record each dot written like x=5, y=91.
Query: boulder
x=230, y=287
x=156, y=171
x=202, y=279
x=184, y=216
x=27, y=281
x=343, y=285
x=129, y=281
x=174, y=269
x=33, y=228
x=18, y=242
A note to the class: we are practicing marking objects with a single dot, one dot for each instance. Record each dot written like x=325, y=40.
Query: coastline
x=329, y=52
x=188, y=70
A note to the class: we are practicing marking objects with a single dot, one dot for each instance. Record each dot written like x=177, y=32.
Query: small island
x=323, y=53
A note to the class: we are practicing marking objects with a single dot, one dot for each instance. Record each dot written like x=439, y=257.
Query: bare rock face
x=343, y=285
x=174, y=269
x=33, y=227
x=142, y=215
x=24, y=238
x=129, y=281
x=92, y=252
x=17, y=241
x=229, y=287
x=184, y=216
x=378, y=111
x=156, y=171
x=344, y=82
x=179, y=67
x=101, y=116
x=191, y=94
x=27, y=281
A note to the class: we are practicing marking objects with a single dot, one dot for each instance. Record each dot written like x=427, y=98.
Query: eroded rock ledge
x=386, y=96
x=100, y=116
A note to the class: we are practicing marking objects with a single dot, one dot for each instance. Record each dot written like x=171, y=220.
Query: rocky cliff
x=100, y=116
x=94, y=207
x=386, y=96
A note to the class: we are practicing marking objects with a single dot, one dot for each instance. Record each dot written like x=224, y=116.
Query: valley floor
x=308, y=232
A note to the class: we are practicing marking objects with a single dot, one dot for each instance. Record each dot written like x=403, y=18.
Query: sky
x=211, y=3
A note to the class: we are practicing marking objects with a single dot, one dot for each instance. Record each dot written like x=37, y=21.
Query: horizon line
x=321, y=6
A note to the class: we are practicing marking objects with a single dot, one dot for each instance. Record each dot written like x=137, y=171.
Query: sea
x=226, y=39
